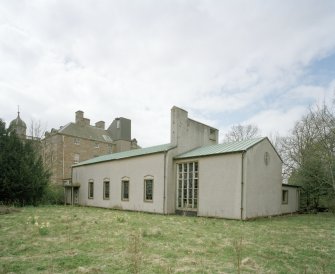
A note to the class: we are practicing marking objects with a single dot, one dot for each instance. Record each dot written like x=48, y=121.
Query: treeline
x=309, y=157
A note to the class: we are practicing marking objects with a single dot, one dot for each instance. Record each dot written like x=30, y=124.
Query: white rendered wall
x=262, y=182
x=135, y=169
x=219, y=185
x=293, y=200
x=189, y=134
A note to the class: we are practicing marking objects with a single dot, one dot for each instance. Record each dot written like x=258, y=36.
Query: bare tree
x=308, y=155
x=242, y=132
x=36, y=130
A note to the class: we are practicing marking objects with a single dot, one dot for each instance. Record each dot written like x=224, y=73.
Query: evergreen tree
x=23, y=178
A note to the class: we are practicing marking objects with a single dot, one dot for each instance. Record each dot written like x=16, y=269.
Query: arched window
x=91, y=189
x=148, y=188
x=125, y=189
x=106, y=189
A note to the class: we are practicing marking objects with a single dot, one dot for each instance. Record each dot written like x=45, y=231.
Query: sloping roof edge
x=226, y=148
x=127, y=154
x=87, y=132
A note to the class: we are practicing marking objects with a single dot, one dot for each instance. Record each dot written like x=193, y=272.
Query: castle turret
x=19, y=126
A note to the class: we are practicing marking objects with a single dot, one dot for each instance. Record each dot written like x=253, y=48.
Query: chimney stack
x=81, y=120
x=79, y=116
x=100, y=124
x=86, y=121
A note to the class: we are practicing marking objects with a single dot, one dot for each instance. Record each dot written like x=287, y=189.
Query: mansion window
x=96, y=145
x=125, y=190
x=148, y=190
x=76, y=158
x=187, y=185
x=90, y=189
x=76, y=141
x=106, y=190
x=284, y=198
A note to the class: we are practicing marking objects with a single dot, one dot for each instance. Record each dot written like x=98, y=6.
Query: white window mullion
x=187, y=185
x=193, y=186
x=187, y=191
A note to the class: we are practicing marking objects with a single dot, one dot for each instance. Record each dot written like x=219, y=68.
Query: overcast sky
x=225, y=62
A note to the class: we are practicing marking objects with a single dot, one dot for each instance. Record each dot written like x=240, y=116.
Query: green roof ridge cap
x=227, y=147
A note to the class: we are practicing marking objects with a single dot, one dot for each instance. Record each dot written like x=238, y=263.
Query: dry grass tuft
x=8, y=209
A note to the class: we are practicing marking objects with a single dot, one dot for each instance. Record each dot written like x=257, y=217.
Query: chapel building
x=192, y=174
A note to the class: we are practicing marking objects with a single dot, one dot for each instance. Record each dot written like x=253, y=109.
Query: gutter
x=242, y=182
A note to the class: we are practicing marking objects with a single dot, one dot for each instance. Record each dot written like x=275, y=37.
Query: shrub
x=54, y=195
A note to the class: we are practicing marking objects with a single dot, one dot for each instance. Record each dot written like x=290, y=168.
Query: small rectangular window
x=284, y=199
x=125, y=191
x=90, y=190
x=106, y=190
x=148, y=190
x=96, y=145
x=76, y=141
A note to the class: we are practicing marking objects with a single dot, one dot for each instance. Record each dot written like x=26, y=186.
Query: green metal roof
x=87, y=132
x=126, y=154
x=231, y=147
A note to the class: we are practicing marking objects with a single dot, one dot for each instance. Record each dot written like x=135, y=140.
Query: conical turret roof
x=18, y=122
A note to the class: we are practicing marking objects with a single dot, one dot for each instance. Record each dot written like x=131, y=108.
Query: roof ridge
x=64, y=127
x=84, y=131
x=228, y=147
x=246, y=140
x=127, y=154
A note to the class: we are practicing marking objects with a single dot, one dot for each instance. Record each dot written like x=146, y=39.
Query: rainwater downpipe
x=242, y=182
x=164, y=194
x=63, y=168
x=63, y=157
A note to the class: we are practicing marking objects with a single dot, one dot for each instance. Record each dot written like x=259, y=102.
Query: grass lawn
x=60, y=239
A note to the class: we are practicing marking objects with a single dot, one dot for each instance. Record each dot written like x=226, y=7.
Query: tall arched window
x=106, y=189
x=148, y=188
x=91, y=189
x=125, y=189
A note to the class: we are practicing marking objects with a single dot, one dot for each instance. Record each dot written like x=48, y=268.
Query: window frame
x=284, y=197
x=187, y=185
x=90, y=187
x=75, y=160
x=76, y=141
x=146, y=179
x=123, y=182
x=104, y=189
